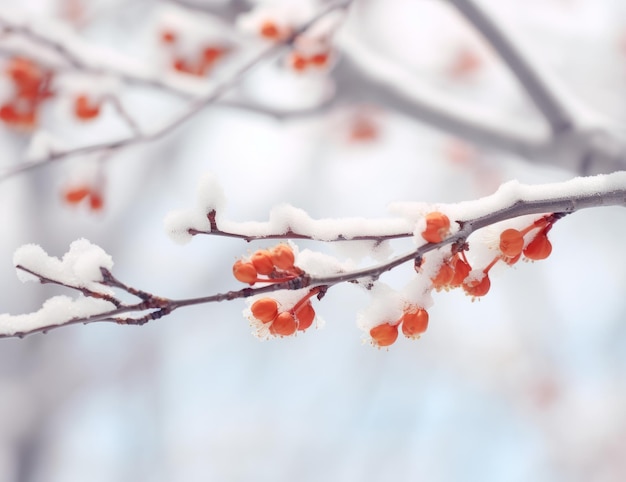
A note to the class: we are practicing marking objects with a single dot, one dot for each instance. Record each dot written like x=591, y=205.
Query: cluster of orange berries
x=286, y=322
x=298, y=60
x=276, y=265
x=272, y=31
x=456, y=271
x=199, y=66
x=414, y=322
x=31, y=85
x=77, y=194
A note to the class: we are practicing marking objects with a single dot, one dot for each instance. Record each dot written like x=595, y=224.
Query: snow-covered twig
x=300, y=226
x=512, y=200
x=86, y=268
x=195, y=106
x=367, y=76
x=71, y=54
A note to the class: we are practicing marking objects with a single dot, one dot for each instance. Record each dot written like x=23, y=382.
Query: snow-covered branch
x=523, y=214
x=361, y=76
x=197, y=103
x=513, y=209
x=582, y=146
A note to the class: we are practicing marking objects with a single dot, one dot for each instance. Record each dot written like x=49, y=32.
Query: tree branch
x=196, y=105
x=512, y=200
x=366, y=76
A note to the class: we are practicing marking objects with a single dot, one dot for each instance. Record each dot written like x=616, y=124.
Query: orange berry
x=262, y=262
x=168, y=37
x=305, y=316
x=283, y=257
x=414, y=323
x=437, y=227
x=84, y=109
x=511, y=243
x=284, y=324
x=298, y=62
x=539, y=248
x=21, y=69
x=27, y=77
x=384, y=335
x=477, y=287
x=319, y=60
x=444, y=276
x=245, y=272
x=8, y=114
x=212, y=54
x=74, y=196
x=461, y=271
x=270, y=30
x=185, y=67
x=24, y=119
x=96, y=201
x=363, y=129
x=264, y=310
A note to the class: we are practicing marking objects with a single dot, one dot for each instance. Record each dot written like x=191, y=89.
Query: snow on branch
x=321, y=23
x=582, y=145
x=305, y=33
x=79, y=268
x=512, y=199
x=446, y=256
x=59, y=48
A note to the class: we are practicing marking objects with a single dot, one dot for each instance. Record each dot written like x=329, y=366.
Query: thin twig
x=295, y=235
x=123, y=113
x=81, y=289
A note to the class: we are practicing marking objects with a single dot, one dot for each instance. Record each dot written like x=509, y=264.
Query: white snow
x=282, y=218
x=386, y=306
x=79, y=267
x=320, y=265
x=513, y=191
x=55, y=311
x=42, y=145
x=210, y=197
